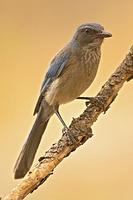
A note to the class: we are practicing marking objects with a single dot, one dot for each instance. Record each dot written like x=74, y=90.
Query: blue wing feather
x=57, y=66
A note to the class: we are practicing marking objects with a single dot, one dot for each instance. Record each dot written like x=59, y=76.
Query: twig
x=79, y=127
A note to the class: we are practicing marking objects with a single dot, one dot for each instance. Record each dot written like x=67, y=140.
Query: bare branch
x=79, y=127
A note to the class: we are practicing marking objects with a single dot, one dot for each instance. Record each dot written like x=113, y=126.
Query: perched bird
x=70, y=73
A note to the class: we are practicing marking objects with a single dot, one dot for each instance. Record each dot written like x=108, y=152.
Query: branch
x=81, y=129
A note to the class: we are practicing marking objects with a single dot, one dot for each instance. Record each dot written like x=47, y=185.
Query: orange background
x=31, y=32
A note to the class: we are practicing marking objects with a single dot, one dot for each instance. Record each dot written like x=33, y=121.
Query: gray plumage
x=71, y=72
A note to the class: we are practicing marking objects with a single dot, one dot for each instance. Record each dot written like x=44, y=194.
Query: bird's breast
x=77, y=77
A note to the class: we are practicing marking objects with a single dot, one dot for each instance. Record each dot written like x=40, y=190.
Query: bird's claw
x=97, y=101
x=70, y=137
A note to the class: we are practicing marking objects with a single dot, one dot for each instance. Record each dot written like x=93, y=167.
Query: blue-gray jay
x=70, y=73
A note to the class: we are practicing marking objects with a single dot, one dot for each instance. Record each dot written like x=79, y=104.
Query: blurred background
x=31, y=33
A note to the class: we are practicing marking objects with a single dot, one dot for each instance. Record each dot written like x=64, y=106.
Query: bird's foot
x=72, y=140
x=97, y=101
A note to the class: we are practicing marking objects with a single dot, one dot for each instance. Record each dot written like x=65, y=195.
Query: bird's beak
x=105, y=34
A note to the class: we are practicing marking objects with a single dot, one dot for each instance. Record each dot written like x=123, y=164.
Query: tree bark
x=80, y=128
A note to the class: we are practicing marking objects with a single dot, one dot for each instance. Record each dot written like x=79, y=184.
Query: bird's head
x=91, y=34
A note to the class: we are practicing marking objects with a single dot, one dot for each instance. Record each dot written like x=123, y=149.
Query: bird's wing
x=57, y=66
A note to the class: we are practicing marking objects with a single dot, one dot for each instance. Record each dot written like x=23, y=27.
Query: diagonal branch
x=81, y=129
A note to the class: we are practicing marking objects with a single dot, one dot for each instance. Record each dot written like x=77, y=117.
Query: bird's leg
x=97, y=101
x=60, y=118
x=72, y=140
x=85, y=98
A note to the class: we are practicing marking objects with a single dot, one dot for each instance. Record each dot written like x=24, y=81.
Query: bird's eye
x=90, y=30
x=100, y=31
x=87, y=30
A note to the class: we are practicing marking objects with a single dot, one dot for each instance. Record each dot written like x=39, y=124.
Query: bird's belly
x=71, y=90
x=70, y=85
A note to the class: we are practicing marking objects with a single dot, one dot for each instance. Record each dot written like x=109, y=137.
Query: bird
x=70, y=73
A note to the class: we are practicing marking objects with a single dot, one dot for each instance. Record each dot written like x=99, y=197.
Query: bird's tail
x=30, y=147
